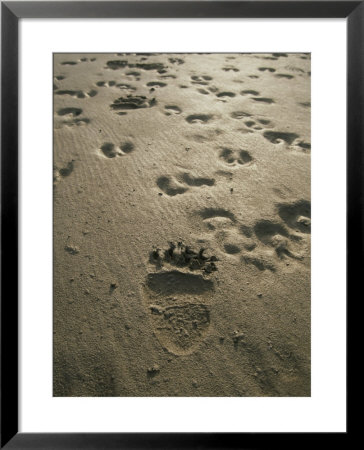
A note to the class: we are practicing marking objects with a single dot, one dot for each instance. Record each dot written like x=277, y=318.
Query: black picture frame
x=11, y=12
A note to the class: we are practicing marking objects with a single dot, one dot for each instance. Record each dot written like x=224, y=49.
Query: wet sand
x=182, y=224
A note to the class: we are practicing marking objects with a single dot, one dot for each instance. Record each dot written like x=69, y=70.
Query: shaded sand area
x=182, y=224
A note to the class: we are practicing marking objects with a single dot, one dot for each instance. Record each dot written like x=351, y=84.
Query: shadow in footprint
x=209, y=213
x=297, y=215
x=197, y=181
x=232, y=249
x=275, y=235
x=78, y=94
x=232, y=157
x=179, y=322
x=265, y=230
x=170, y=187
x=109, y=150
x=156, y=83
x=72, y=111
x=199, y=118
x=276, y=137
x=263, y=100
x=304, y=145
x=131, y=102
x=284, y=75
x=127, y=147
x=66, y=171
x=249, y=92
x=266, y=69
x=259, y=263
x=239, y=115
x=117, y=64
x=178, y=61
x=172, y=109
x=175, y=282
x=225, y=94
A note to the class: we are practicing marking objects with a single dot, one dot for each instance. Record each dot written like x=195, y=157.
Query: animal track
x=127, y=147
x=123, y=86
x=77, y=94
x=267, y=69
x=63, y=172
x=276, y=236
x=268, y=58
x=69, y=111
x=170, y=186
x=156, y=84
x=121, y=64
x=305, y=104
x=105, y=83
x=304, y=145
x=208, y=136
x=197, y=181
x=263, y=100
x=77, y=121
x=182, y=327
x=268, y=242
x=177, y=185
x=130, y=102
x=239, y=115
x=178, y=61
x=284, y=75
x=172, y=109
x=295, y=69
x=230, y=69
x=249, y=92
x=265, y=122
x=176, y=282
x=296, y=215
x=199, y=118
x=276, y=137
x=252, y=124
x=168, y=76
x=67, y=170
x=234, y=157
x=133, y=73
x=181, y=255
x=266, y=229
x=177, y=301
x=226, y=231
x=71, y=116
x=201, y=80
x=211, y=213
x=225, y=94
x=261, y=262
x=109, y=150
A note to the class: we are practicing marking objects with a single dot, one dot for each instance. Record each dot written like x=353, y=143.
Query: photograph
x=181, y=224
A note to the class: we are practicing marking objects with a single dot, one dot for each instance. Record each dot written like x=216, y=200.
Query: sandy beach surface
x=182, y=224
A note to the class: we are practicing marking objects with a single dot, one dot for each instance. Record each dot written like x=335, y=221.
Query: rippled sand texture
x=182, y=224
